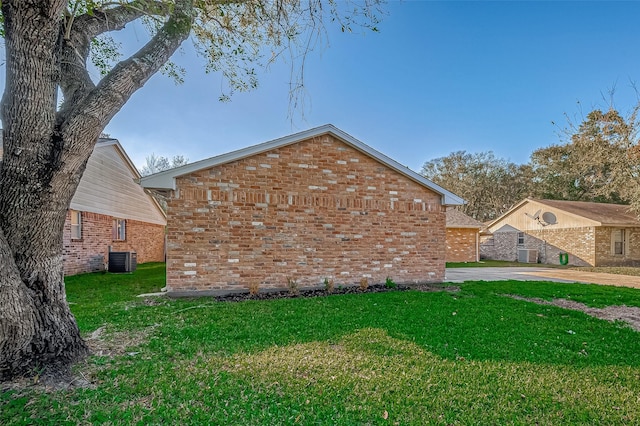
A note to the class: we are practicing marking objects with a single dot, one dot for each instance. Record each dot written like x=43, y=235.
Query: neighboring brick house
x=307, y=207
x=591, y=234
x=110, y=210
x=463, y=237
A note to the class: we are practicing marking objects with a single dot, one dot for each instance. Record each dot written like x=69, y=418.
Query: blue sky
x=440, y=76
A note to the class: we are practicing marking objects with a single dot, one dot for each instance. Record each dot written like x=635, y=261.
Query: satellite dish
x=534, y=216
x=549, y=218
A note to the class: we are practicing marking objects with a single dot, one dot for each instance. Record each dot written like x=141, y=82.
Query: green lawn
x=405, y=357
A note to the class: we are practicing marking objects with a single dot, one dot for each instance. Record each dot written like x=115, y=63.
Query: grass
x=100, y=297
x=469, y=357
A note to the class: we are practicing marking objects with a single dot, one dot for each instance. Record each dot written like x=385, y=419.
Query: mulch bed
x=377, y=288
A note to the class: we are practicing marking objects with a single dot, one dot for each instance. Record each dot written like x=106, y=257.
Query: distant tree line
x=157, y=163
x=597, y=160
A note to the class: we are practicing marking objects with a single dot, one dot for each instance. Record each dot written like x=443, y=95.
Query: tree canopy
x=158, y=163
x=235, y=37
x=592, y=164
x=597, y=160
x=489, y=185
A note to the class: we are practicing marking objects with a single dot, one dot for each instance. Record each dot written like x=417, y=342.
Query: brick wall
x=499, y=246
x=462, y=244
x=91, y=252
x=604, y=256
x=578, y=242
x=312, y=210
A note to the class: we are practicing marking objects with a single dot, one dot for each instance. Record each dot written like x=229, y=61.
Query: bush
x=389, y=283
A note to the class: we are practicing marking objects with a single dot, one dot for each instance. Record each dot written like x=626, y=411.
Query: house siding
x=90, y=253
x=308, y=211
x=108, y=187
x=577, y=242
x=578, y=231
x=462, y=244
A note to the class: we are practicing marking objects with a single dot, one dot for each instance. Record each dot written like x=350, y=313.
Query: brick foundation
x=312, y=210
x=90, y=253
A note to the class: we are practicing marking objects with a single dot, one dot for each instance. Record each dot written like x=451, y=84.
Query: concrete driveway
x=458, y=275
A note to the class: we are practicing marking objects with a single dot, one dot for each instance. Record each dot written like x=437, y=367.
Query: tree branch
x=101, y=21
x=107, y=98
x=79, y=32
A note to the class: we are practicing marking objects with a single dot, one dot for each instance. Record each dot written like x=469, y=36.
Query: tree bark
x=45, y=154
x=38, y=333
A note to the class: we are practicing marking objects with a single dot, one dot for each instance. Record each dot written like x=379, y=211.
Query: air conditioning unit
x=527, y=255
x=123, y=261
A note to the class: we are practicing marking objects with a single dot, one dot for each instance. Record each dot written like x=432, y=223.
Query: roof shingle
x=457, y=219
x=606, y=214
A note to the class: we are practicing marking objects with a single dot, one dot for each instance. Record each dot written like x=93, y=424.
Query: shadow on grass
x=476, y=323
x=407, y=357
x=474, y=327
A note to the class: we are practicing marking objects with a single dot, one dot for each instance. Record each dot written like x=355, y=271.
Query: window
x=119, y=230
x=618, y=242
x=76, y=225
x=521, y=238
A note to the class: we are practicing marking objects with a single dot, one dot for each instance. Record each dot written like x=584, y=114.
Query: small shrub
x=389, y=283
x=292, y=283
x=254, y=288
x=329, y=285
x=364, y=283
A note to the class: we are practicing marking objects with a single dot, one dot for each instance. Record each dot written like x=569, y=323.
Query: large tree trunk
x=38, y=333
x=46, y=149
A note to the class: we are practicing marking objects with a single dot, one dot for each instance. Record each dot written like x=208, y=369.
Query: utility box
x=527, y=255
x=123, y=261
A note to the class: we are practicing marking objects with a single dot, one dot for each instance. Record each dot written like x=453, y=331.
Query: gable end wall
x=312, y=210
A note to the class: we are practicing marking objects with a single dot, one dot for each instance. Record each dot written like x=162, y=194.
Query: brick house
x=110, y=210
x=591, y=234
x=312, y=206
x=463, y=237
